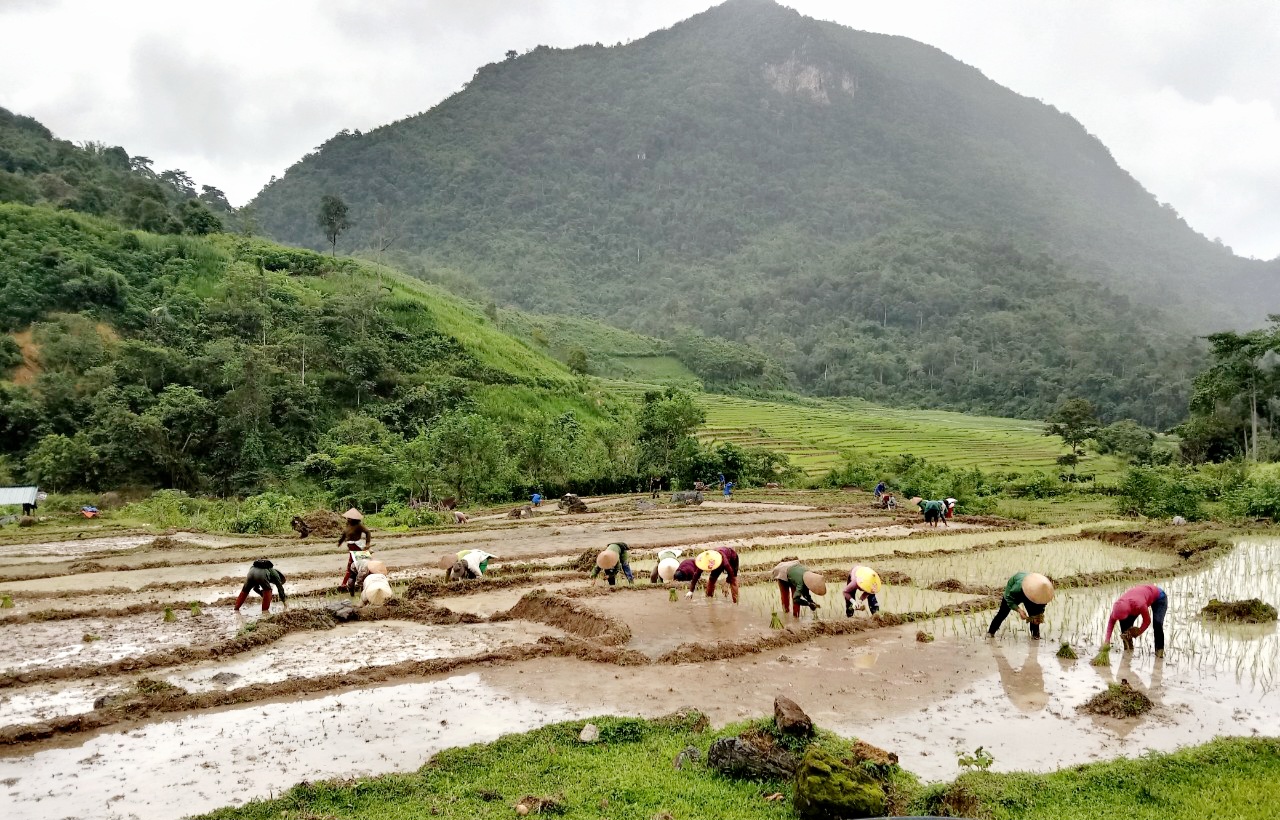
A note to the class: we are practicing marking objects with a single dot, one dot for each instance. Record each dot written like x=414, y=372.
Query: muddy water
x=1055, y=558
x=75, y=547
x=102, y=640
x=764, y=599
x=499, y=600
x=176, y=768
x=36, y=703
x=1249, y=654
x=355, y=646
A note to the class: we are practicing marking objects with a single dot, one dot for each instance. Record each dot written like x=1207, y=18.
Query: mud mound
x=438, y=585
x=875, y=761
x=574, y=618
x=1252, y=611
x=532, y=804
x=324, y=523
x=948, y=585
x=1120, y=700
x=893, y=576
x=586, y=561
x=164, y=542
x=594, y=652
x=952, y=585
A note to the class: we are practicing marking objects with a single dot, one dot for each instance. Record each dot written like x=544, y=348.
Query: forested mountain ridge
x=806, y=189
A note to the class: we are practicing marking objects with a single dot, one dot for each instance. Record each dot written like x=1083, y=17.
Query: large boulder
x=828, y=788
x=684, y=497
x=751, y=756
x=790, y=718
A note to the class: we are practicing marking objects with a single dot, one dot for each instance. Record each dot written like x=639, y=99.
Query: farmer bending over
x=466, y=564
x=934, y=511
x=668, y=563
x=1148, y=601
x=261, y=577
x=797, y=585
x=717, y=561
x=1027, y=593
x=864, y=582
x=611, y=559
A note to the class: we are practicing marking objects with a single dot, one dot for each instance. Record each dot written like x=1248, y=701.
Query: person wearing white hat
x=951, y=507
x=797, y=585
x=611, y=559
x=1027, y=593
x=668, y=561
x=864, y=582
x=354, y=528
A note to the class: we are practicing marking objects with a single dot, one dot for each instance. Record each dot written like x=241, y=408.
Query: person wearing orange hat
x=354, y=528
x=716, y=561
x=863, y=581
x=1027, y=593
x=797, y=585
x=611, y=559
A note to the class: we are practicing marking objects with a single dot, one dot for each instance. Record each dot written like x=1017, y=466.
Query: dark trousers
x=1158, y=610
x=1005, y=609
x=611, y=575
x=731, y=571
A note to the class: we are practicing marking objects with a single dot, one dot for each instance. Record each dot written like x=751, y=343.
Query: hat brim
x=607, y=560
x=709, y=560
x=1038, y=589
x=816, y=583
x=353, y=514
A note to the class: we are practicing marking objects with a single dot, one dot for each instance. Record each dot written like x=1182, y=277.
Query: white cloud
x=1183, y=93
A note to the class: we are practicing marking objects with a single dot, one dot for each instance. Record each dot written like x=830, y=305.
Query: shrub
x=1162, y=492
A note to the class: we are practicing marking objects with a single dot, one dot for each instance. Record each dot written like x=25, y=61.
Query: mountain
x=877, y=216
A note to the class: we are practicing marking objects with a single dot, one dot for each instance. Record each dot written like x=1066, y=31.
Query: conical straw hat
x=1037, y=588
x=447, y=561
x=353, y=514
x=868, y=579
x=667, y=569
x=816, y=583
x=607, y=559
x=709, y=560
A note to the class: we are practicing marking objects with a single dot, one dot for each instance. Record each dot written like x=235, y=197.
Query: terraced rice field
x=817, y=434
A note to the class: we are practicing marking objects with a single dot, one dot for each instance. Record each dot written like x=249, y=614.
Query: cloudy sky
x=1185, y=93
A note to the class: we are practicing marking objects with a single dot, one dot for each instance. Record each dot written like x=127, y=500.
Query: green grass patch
x=1236, y=778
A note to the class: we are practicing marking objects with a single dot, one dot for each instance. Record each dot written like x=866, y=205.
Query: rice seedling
x=194, y=606
x=169, y=617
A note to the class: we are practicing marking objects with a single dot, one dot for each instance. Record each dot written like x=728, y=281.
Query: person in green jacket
x=1027, y=593
x=611, y=559
x=934, y=511
x=797, y=585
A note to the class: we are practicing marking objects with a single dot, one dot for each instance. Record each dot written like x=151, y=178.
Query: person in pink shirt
x=1146, y=601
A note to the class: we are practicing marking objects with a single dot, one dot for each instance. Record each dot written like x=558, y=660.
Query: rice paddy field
x=817, y=435
x=131, y=667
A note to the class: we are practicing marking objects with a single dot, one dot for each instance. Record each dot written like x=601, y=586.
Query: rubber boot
x=266, y=600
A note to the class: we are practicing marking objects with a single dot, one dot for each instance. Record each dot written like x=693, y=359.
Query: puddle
x=62, y=643
x=37, y=703
x=211, y=760
x=1249, y=654
x=356, y=646
x=1054, y=558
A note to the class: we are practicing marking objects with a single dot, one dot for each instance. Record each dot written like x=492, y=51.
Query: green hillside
x=872, y=214
x=229, y=365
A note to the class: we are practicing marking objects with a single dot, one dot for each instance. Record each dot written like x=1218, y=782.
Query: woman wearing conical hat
x=864, y=582
x=354, y=528
x=723, y=560
x=797, y=585
x=465, y=564
x=668, y=563
x=1027, y=593
x=611, y=559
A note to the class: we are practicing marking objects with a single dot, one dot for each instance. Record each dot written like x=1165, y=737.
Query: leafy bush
x=399, y=514
x=1258, y=497
x=267, y=513
x=1162, y=492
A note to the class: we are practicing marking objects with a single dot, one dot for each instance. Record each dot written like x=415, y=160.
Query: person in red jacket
x=1147, y=601
x=723, y=560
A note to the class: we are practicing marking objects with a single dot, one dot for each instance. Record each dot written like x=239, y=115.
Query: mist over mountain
x=876, y=216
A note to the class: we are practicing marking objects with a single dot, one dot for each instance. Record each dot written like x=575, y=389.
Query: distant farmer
x=864, y=582
x=728, y=491
x=1149, y=602
x=934, y=511
x=797, y=586
x=536, y=498
x=1027, y=593
x=611, y=559
x=466, y=564
x=888, y=502
x=354, y=528
x=717, y=561
x=668, y=563
x=951, y=508
x=459, y=517
x=300, y=526
x=262, y=576
x=880, y=488
x=355, y=557
x=655, y=486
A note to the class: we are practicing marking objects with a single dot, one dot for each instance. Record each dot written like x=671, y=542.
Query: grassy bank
x=629, y=774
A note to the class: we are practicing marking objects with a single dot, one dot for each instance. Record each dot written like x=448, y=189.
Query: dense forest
x=875, y=216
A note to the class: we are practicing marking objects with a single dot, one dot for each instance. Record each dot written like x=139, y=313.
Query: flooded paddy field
x=384, y=691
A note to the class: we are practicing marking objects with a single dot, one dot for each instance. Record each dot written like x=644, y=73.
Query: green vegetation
x=876, y=217
x=629, y=774
x=36, y=168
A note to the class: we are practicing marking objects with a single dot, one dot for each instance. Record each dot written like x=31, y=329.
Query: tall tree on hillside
x=333, y=220
x=1075, y=422
x=666, y=424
